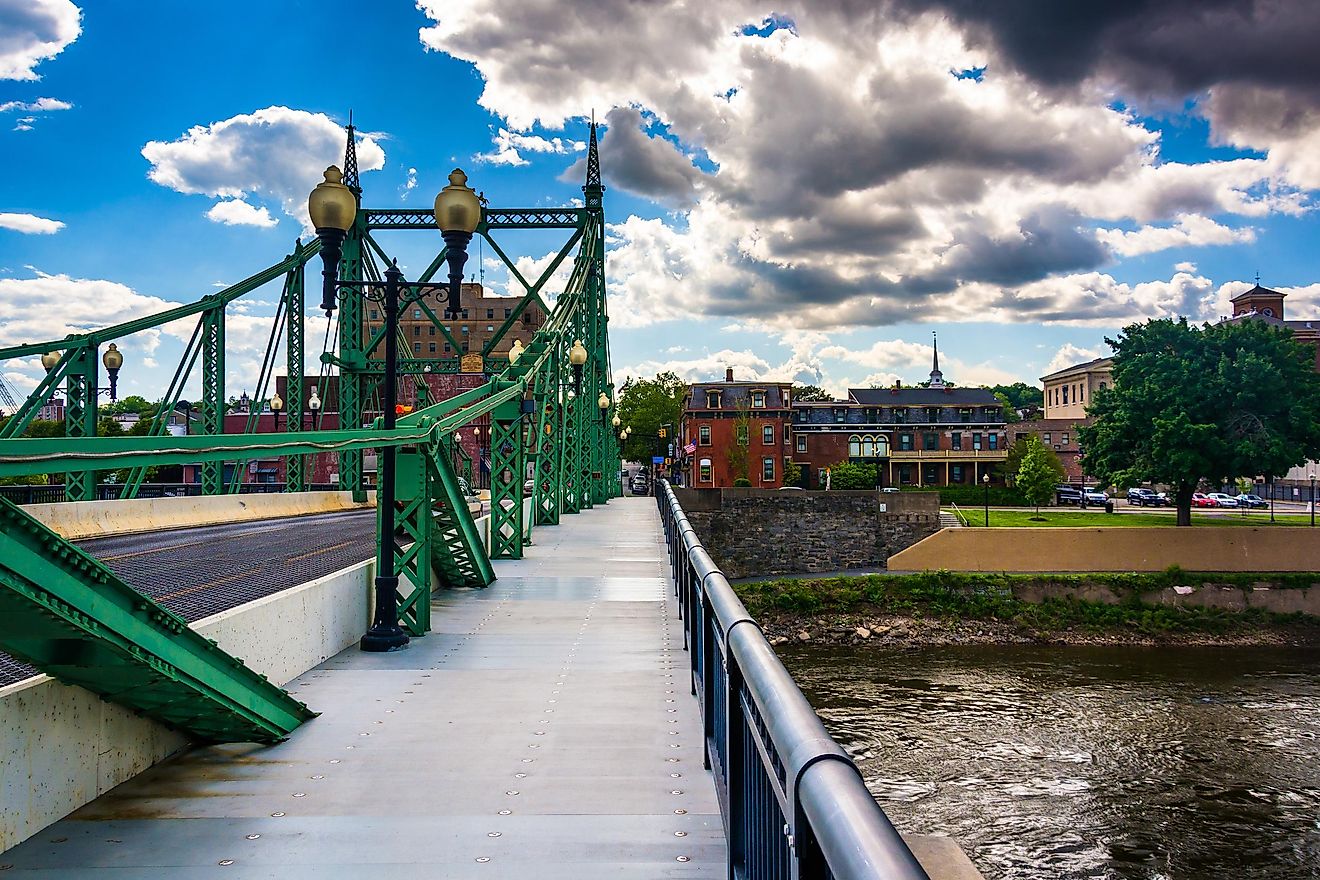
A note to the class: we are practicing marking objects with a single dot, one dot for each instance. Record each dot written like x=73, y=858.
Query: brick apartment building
x=719, y=416
x=479, y=320
x=1067, y=393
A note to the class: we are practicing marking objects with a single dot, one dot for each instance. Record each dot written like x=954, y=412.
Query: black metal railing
x=54, y=493
x=794, y=804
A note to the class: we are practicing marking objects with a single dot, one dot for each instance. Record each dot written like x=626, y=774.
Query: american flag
x=690, y=448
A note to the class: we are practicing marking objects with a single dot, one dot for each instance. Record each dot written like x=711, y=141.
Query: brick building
x=478, y=322
x=720, y=417
x=1067, y=393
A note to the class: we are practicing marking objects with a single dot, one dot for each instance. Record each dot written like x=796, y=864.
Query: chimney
x=728, y=374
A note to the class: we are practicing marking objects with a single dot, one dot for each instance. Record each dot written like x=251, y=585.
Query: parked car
x=1246, y=499
x=1067, y=495
x=639, y=484
x=1200, y=499
x=1095, y=496
x=1146, y=498
x=1222, y=500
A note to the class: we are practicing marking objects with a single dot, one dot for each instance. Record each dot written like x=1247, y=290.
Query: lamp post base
x=385, y=634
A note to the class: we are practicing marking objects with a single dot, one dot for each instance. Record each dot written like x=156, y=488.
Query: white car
x=1222, y=500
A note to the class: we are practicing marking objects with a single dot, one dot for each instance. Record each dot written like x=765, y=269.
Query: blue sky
x=794, y=192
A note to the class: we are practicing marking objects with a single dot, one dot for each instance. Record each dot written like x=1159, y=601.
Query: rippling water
x=1114, y=762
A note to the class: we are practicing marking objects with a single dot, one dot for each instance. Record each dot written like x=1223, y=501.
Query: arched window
x=854, y=446
x=882, y=447
x=868, y=446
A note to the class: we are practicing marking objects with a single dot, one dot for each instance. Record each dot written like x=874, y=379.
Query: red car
x=1200, y=499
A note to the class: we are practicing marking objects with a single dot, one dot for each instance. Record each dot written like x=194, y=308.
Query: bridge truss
x=544, y=421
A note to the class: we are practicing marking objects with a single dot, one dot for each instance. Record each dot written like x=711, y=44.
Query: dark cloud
x=1162, y=49
x=643, y=165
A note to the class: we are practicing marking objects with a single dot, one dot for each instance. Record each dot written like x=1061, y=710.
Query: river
x=1096, y=762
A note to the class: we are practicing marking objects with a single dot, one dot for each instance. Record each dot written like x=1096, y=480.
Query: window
x=490, y=313
x=463, y=329
x=703, y=473
x=905, y=474
x=928, y=477
x=900, y=414
x=839, y=414
x=956, y=440
x=956, y=474
x=930, y=440
x=417, y=348
x=1081, y=392
x=703, y=435
x=508, y=313
x=1102, y=386
x=868, y=446
x=417, y=314
x=854, y=446
x=490, y=328
x=767, y=435
x=905, y=442
x=767, y=470
x=463, y=314
x=430, y=346
x=788, y=432
x=976, y=440
x=447, y=349
x=965, y=414
x=758, y=399
x=465, y=347
x=1045, y=438
x=712, y=400
x=417, y=330
x=432, y=330
x=1063, y=438
x=374, y=315
x=802, y=443
x=932, y=414
x=994, y=440
x=1065, y=395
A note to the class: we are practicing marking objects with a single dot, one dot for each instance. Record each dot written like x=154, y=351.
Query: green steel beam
x=507, y=475
x=295, y=466
x=213, y=394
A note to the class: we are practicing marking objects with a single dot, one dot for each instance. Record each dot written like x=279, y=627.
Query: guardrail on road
x=794, y=804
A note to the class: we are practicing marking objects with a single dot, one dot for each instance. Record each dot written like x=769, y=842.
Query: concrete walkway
x=543, y=730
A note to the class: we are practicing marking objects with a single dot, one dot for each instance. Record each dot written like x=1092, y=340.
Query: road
x=202, y=571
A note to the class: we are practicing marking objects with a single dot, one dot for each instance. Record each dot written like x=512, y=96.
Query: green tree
x=134, y=403
x=1190, y=403
x=737, y=454
x=852, y=475
x=810, y=392
x=1017, y=396
x=1039, y=472
x=645, y=405
x=792, y=474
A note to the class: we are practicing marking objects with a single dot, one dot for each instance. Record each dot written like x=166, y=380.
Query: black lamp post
x=603, y=402
x=113, y=360
x=276, y=406
x=986, y=482
x=332, y=207
x=1312, y=499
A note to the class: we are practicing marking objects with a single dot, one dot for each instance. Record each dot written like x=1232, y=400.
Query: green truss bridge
x=538, y=724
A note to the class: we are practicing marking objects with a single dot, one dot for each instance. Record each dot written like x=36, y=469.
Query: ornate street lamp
x=515, y=351
x=276, y=406
x=986, y=482
x=113, y=360
x=604, y=403
x=616, y=421
x=50, y=359
x=457, y=213
x=577, y=356
x=314, y=405
x=332, y=207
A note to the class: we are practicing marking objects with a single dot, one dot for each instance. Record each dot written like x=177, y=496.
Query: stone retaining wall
x=755, y=532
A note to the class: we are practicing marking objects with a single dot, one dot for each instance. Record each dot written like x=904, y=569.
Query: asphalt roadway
x=202, y=571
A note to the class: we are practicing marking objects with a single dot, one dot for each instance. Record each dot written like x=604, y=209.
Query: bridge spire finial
x=593, y=162
x=350, y=160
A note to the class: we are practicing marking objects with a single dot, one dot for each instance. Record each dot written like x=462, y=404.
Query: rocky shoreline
x=891, y=631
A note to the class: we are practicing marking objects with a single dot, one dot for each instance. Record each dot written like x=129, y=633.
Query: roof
x=1098, y=364
x=734, y=393
x=917, y=396
x=1257, y=291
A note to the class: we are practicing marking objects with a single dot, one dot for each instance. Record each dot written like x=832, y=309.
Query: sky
x=800, y=191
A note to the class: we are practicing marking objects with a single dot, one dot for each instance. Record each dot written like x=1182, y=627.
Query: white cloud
x=1190, y=230
x=1184, y=266
x=409, y=184
x=236, y=212
x=510, y=145
x=32, y=31
x=892, y=192
x=274, y=153
x=41, y=105
x=29, y=224
x=54, y=306
x=1070, y=355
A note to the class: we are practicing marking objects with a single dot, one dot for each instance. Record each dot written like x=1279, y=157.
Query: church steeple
x=593, y=189
x=350, y=161
x=936, y=377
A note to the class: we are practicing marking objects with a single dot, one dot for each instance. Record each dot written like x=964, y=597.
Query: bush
x=742, y=483
x=974, y=496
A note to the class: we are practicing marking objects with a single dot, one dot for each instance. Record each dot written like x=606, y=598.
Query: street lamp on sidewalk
x=986, y=482
x=1312, y=499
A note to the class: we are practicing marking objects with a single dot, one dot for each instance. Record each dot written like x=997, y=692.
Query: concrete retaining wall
x=93, y=519
x=1194, y=548
x=752, y=532
x=1263, y=595
x=62, y=746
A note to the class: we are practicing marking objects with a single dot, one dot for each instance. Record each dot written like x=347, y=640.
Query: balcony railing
x=794, y=804
x=951, y=455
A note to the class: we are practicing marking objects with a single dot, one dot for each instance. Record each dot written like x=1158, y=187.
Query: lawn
x=1057, y=518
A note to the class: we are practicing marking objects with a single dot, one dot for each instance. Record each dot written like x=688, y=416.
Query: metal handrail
x=794, y=804
x=962, y=517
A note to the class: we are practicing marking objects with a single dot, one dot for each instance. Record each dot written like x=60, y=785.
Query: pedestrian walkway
x=544, y=729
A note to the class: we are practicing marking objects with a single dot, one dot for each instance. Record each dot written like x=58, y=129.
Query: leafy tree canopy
x=1039, y=472
x=1212, y=402
x=646, y=404
x=852, y=475
x=134, y=403
x=1017, y=396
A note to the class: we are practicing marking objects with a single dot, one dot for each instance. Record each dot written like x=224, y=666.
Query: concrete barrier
x=63, y=746
x=93, y=519
x=1195, y=548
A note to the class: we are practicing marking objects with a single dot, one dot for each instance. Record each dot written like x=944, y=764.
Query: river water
x=1113, y=762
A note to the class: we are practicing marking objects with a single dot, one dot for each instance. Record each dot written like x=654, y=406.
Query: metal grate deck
x=202, y=571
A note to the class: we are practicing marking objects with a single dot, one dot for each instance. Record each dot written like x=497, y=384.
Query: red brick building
x=739, y=429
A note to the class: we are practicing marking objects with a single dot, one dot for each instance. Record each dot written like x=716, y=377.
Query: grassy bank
x=1052, y=517
x=949, y=606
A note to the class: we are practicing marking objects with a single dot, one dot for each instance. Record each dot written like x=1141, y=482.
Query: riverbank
x=944, y=608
